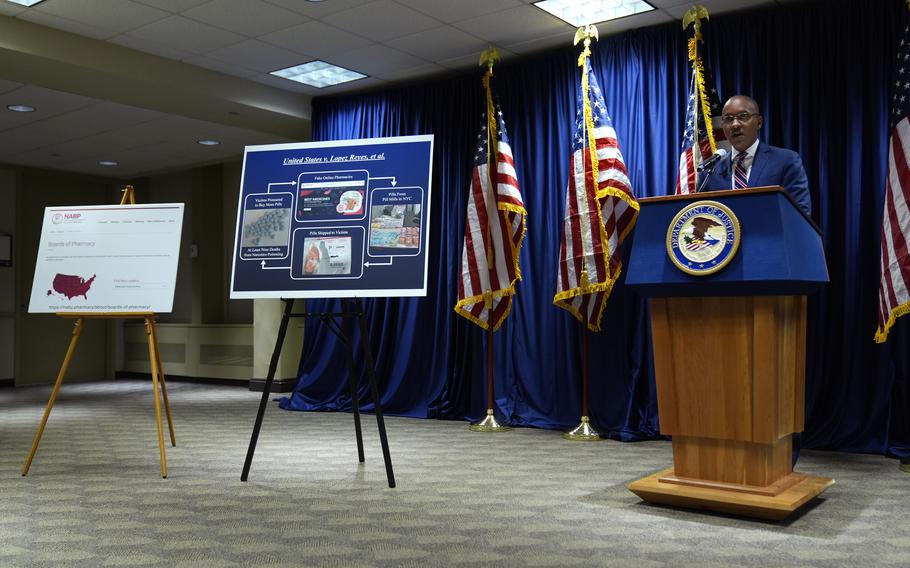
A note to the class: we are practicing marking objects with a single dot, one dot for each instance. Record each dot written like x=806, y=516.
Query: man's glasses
x=742, y=117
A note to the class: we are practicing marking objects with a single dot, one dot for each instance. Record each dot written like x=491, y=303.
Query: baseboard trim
x=183, y=379
x=278, y=385
x=255, y=385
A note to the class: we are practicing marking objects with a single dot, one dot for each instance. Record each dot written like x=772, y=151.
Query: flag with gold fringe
x=495, y=225
x=702, y=109
x=893, y=296
x=601, y=207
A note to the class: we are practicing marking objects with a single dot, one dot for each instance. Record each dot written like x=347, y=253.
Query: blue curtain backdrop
x=821, y=73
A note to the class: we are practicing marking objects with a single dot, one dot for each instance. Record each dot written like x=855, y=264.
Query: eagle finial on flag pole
x=489, y=57
x=695, y=15
x=587, y=33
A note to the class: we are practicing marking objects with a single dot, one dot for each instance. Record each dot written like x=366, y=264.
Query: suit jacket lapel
x=758, y=165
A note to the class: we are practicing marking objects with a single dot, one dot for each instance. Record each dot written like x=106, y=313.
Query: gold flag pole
x=584, y=432
x=489, y=423
x=693, y=17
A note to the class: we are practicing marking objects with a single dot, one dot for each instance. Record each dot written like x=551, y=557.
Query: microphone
x=712, y=161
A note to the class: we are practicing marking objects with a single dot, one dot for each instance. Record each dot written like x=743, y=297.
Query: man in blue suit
x=754, y=164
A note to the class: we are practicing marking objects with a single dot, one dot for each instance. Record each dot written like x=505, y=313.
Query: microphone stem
x=707, y=168
x=704, y=181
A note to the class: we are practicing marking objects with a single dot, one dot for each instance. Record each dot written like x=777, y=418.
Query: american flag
x=893, y=298
x=494, y=230
x=698, y=148
x=599, y=214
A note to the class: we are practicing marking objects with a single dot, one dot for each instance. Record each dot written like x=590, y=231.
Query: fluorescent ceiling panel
x=318, y=74
x=583, y=12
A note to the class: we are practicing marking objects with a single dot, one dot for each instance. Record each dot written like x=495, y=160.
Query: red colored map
x=71, y=285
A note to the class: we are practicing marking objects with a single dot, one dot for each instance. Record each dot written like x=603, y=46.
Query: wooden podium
x=729, y=356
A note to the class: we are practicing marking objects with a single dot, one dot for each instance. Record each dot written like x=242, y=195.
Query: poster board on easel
x=343, y=219
x=135, y=250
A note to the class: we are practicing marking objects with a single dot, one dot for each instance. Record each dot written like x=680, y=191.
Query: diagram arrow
x=389, y=263
x=264, y=267
x=394, y=181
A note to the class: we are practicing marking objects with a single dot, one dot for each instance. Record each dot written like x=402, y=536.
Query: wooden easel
x=129, y=198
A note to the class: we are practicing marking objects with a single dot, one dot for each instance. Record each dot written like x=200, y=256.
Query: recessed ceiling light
x=208, y=142
x=26, y=3
x=318, y=74
x=20, y=108
x=593, y=11
x=108, y=163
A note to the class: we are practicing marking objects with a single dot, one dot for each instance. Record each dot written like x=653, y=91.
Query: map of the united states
x=71, y=285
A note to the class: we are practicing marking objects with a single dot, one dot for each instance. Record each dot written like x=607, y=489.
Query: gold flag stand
x=129, y=198
x=584, y=432
x=489, y=423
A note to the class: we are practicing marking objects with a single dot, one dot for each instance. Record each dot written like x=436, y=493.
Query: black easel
x=353, y=308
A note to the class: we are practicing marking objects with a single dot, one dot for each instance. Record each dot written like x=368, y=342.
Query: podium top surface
x=715, y=195
x=780, y=250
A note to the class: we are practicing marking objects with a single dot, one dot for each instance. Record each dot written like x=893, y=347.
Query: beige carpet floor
x=94, y=496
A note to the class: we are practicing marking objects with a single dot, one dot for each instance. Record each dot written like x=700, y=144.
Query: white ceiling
x=94, y=68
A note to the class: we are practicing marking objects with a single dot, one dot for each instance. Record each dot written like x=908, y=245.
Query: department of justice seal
x=703, y=238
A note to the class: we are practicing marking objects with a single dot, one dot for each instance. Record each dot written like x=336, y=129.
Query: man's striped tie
x=740, y=176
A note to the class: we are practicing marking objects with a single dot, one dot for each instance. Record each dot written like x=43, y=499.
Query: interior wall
x=208, y=244
x=8, y=278
x=178, y=188
x=236, y=311
x=32, y=345
x=210, y=195
x=206, y=335
x=42, y=339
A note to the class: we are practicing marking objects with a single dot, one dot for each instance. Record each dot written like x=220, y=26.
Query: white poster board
x=107, y=258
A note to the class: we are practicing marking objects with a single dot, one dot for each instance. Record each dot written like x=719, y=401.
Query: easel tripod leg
x=355, y=400
x=77, y=330
x=153, y=361
x=267, y=389
x=167, y=405
x=374, y=389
